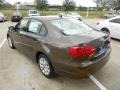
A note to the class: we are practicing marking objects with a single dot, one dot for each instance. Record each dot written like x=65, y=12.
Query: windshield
x=71, y=26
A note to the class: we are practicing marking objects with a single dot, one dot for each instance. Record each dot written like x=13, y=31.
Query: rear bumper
x=83, y=70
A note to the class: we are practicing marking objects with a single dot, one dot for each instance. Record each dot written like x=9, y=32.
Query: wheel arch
x=39, y=53
x=105, y=29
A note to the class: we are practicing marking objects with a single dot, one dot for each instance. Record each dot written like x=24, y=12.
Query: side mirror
x=11, y=28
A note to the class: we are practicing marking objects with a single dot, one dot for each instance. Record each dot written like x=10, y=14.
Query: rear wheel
x=45, y=66
x=10, y=42
x=3, y=20
x=12, y=20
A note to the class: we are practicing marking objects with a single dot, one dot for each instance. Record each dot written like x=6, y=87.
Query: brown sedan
x=61, y=45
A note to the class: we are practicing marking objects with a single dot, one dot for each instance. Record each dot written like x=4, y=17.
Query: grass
x=92, y=14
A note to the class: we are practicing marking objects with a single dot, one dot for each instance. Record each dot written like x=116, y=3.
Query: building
x=55, y=7
x=28, y=5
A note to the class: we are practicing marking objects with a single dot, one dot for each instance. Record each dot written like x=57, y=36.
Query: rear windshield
x=33, y=12
x=71, y=26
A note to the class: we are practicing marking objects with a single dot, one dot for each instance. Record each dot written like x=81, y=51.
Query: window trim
x=45, y=29
x=111, y=21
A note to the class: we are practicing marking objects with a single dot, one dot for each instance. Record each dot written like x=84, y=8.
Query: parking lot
x=18, y=72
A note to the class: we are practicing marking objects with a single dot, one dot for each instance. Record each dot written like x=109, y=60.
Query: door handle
x=35, y=39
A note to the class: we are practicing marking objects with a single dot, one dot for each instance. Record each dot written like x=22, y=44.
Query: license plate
x=101, y=48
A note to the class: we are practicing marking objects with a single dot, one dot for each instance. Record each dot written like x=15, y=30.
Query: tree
x=116, y=5
x=108, y=4
x=97, y=3
x=41, y=4
x=81, y=8
x=2, y=1
x=7, y=5
x=69, y=5
x=104, y=4
x=2, y=4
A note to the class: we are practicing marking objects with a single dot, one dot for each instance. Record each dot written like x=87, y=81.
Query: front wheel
x=45, y=66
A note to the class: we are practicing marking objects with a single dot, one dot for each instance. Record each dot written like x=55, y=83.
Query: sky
x=86, y=3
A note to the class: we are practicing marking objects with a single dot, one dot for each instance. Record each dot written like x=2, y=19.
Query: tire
x=45, y=66
x=3, y=20
x=10, y=42
x=12, y=20
x=106, y=17
x=105, y=30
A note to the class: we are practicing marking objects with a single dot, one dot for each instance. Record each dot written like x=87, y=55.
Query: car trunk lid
x=93, y=38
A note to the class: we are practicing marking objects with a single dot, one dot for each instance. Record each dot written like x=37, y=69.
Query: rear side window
x=117, y=20
x=43, y=31
x=35, y=26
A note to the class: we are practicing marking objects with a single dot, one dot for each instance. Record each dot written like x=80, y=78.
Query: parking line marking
x=97, y=83
x=115, y=45
x=2, y=43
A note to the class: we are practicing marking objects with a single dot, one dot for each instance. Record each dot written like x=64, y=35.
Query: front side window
x=22, y=25
x=117, y=20
x=71, y=26
x=35, y=26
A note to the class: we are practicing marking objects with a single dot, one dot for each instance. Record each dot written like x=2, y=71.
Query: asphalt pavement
x=18, y=72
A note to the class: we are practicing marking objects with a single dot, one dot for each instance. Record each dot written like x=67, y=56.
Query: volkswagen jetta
x=60, y=45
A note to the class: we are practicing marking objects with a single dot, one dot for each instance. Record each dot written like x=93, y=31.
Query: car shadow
x=116, y=39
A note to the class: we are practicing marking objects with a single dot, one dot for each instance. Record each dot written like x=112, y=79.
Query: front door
x=115, y=27
x=33, y=38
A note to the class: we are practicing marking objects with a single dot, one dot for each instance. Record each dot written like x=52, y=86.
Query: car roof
x=113, y=18
x=47, y=18
x=32, y=10
x=107, y=20
x=16, y=13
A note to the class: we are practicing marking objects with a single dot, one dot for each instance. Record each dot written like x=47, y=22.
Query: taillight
x=109, y=39
x=81, y=51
